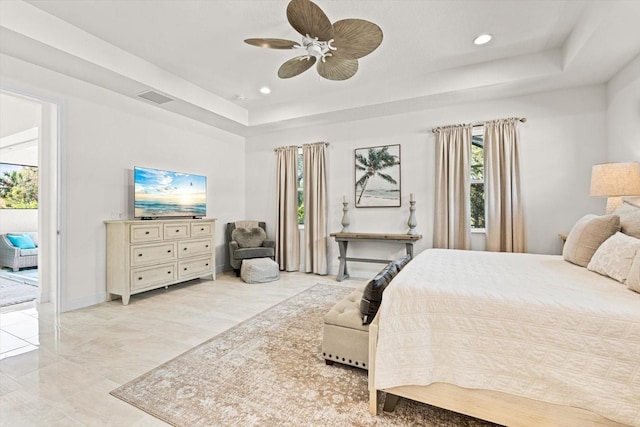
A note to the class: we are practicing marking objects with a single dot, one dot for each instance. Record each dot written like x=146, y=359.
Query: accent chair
x=248, y=240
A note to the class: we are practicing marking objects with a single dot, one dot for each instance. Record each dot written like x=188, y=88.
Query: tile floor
x=66, y=379
x=18, y=329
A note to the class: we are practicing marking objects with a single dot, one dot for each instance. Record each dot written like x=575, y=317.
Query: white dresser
x=145, y=255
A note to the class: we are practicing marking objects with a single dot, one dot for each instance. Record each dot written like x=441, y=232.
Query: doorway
x=29, y=135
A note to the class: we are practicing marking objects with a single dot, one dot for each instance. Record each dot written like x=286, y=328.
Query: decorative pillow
x=633, y=280
x=34, y=237
x=402, y=261
x=614, y=257
x=372, y=295
x=587, y=235
x=21, y=241
x=249, y=238
x=629, y=218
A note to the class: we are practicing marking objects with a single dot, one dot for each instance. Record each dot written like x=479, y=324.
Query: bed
x=516, y=339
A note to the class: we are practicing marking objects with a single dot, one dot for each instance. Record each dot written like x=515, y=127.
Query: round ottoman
x=259, y=270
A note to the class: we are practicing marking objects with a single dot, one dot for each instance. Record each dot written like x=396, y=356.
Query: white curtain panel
x=315, y=207
x=505, y=215
x=287, y=234
x=452, y=225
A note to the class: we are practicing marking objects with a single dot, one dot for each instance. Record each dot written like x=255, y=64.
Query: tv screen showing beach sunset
x=160, y=193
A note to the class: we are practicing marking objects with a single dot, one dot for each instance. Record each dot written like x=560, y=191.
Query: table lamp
x=614, y=180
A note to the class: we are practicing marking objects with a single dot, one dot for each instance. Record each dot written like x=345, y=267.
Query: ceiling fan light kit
x=335, y=48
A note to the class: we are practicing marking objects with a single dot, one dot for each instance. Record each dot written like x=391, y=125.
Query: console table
x=343, y=240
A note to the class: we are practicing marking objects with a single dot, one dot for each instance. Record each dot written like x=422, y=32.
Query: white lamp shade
x=615, y=180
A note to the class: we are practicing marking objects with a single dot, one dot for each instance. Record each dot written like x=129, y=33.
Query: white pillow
x=629, y=218
x=633, y=281
x=614, y=256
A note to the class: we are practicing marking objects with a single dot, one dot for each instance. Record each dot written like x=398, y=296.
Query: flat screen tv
x=160, y=193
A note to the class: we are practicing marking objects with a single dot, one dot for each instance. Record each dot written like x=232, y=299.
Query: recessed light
x=265, y=90
x=482, y=39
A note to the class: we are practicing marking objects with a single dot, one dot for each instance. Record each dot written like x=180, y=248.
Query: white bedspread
x=534, y=326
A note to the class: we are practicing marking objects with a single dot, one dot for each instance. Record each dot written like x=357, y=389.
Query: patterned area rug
x=268, y=371
x=12, y=292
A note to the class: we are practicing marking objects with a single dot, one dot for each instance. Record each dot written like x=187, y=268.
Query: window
x=477, y=179
x=300, y=184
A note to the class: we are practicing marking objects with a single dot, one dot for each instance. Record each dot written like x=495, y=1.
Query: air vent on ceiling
x=155, y=97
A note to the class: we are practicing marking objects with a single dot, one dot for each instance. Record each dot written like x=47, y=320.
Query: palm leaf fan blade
x=272, y=43
x=309, y=20
x=333, y=68
x=295, y=66
x=355, y=38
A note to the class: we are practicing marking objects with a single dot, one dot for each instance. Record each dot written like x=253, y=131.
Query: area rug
x=12, y=292
x=268, y=371
x=25, y=275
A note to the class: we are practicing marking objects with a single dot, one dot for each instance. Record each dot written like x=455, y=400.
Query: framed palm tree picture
x=377, y=176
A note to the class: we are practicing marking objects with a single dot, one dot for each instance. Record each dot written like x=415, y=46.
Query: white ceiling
x=193, y=51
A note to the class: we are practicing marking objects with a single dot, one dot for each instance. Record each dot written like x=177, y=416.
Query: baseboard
x=76, y=303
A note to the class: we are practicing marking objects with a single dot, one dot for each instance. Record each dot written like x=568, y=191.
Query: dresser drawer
x=145, y=233
x=176, y=231
x=194, y=267
x=145, y=254
x=204, y=229
x=153, y=276
x=194, y=247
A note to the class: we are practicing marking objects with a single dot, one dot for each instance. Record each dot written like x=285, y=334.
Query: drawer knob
x=207, y=265
x=185, y=269
x=184, y=249
x=206, y=246
x=169, y=251
x=202, y=229
x=140, y=278
x=146, y=232
x=139, y=254
x=168, y=272
x=177, y=230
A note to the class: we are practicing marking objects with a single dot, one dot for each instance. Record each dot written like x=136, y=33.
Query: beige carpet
x=268, y=371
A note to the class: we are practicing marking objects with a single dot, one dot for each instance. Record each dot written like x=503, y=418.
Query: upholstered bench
x=259, y=270
x=346, y=326
x=345, y=339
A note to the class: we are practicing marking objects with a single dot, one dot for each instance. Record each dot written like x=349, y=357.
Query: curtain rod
x=477, y=124
x=300, y=146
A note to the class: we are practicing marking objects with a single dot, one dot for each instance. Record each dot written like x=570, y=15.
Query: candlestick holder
x=412, y=223
x=345, y=217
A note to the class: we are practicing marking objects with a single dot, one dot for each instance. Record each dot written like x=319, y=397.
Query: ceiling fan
x=335, y=47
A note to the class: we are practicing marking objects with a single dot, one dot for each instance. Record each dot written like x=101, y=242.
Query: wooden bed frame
x=501, y=408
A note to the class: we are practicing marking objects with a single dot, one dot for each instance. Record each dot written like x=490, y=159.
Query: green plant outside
x=19, y=189
x=477, y=189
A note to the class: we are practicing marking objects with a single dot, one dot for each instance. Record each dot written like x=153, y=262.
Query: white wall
x=15, y=220
x=563, y=137
x=623, y=114
x=104, y=135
